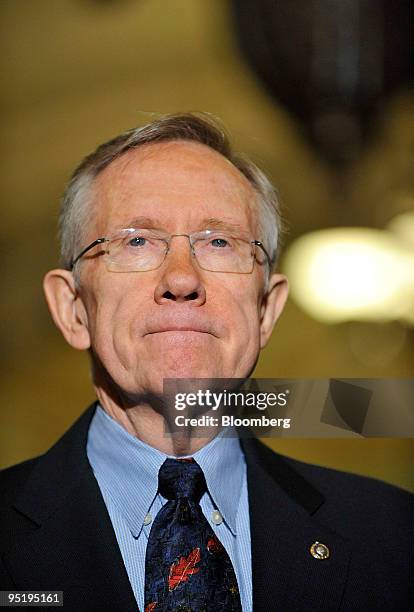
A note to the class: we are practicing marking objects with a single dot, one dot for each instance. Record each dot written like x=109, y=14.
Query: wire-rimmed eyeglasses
x=140, y=250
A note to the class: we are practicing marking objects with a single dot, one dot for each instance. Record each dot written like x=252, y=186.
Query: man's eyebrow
x=220, y=224
x=207, y=223
x=144, y=223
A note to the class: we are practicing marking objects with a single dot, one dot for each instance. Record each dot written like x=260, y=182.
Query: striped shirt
x=126, y=470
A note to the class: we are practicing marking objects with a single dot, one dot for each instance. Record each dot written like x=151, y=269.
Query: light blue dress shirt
x=127, y=473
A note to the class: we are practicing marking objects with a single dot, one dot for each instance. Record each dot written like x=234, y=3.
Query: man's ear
x=272, y=305
x=66, y=307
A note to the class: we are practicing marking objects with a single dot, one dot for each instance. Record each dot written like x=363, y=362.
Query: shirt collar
x=127, y=469
x=223, y=464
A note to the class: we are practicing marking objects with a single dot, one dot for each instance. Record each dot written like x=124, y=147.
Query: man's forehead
x=168, y=157
x=168, y=178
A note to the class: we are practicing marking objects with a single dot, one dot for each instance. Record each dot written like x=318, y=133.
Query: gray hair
x=76, y=210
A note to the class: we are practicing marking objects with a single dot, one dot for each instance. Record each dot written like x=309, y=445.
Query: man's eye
x=220, y=242
x=137, y=241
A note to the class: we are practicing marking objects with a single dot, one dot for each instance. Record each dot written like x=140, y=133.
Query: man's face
x=178, y=320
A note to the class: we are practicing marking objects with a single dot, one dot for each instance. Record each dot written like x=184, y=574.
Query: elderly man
x=169, y=241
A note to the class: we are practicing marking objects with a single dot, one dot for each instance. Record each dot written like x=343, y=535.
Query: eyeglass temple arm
x=85, y=250
x=260, y=244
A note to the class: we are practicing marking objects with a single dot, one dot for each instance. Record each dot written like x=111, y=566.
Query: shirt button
x=147, y=519
x=216, y=517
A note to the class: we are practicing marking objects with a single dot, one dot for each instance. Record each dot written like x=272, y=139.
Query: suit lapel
x=283, y=521
x=68, y=542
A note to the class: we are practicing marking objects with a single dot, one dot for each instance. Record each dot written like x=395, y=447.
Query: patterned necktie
x=187, y=569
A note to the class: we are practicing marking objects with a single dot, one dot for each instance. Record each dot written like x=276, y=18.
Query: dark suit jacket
x=56, y=534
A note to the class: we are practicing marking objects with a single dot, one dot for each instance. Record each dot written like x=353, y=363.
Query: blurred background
x=319, y=93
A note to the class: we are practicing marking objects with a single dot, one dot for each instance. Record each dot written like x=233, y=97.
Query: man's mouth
x=178, y=327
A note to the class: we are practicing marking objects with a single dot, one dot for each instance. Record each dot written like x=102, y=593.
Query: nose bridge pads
x=192, y=251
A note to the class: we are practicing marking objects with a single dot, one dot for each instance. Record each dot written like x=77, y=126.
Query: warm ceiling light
x=403, y=226
x=351, y=274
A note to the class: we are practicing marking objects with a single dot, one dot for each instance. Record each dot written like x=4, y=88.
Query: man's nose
x=180, y=280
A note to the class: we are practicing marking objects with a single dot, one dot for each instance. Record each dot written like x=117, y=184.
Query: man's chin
x=184, y=371
x=180, y=369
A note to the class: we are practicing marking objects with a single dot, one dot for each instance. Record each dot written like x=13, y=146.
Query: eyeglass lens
x=143, y=250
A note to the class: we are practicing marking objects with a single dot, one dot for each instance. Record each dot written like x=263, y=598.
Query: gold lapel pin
x=319, y=550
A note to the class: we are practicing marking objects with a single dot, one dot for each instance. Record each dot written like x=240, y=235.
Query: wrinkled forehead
x=178, y=184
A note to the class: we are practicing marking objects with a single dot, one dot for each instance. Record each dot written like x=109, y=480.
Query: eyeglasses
x=141, y=250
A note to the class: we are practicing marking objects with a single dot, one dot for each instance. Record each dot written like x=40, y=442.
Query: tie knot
x=180, y=478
